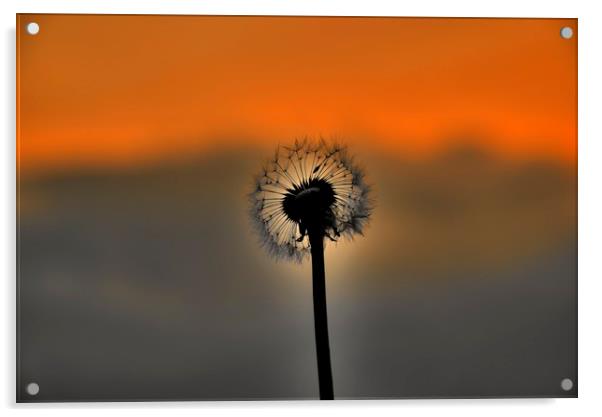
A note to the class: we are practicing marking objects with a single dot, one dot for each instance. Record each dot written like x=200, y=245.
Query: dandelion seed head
x=308, y=186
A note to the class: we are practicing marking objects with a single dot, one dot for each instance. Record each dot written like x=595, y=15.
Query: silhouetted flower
x=308, y=185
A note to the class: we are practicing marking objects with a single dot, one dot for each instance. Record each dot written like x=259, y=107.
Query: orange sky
x=113, y=90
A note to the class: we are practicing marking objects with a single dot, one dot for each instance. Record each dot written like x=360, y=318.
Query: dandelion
x=305, y=194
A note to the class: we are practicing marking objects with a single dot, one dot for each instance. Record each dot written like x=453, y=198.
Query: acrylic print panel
x=256, y=208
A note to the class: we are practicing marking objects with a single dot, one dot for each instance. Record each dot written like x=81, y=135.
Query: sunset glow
x=100, y=90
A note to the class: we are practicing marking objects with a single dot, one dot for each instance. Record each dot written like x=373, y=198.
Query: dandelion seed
x=309, y=187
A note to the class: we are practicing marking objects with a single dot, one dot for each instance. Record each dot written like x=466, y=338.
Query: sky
x=141, y=278
x=121, y=90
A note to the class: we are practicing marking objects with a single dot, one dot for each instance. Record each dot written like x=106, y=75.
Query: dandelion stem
x=316, y=239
